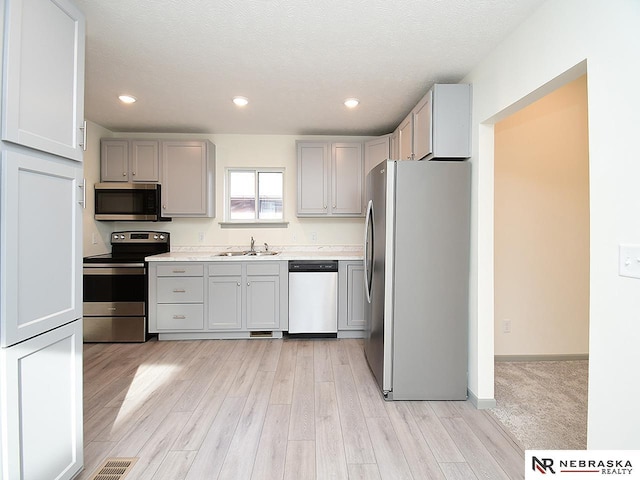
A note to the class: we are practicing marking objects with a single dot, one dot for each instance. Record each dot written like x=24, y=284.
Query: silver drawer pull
x=179, y=290
x=179, y=317
x=179, y=271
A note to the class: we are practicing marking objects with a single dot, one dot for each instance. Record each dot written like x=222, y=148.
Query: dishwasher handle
x=313, y=266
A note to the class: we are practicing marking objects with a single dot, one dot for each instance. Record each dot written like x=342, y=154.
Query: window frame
x=227, y=195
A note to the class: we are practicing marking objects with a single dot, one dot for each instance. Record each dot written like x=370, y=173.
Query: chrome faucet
x=252, y=245
x=266, y=247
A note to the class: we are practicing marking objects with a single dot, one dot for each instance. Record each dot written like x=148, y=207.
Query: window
x=254, y=195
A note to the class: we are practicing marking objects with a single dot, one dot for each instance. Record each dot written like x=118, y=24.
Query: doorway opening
x=541, y=269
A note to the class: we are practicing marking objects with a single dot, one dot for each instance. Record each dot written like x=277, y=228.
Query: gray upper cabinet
x=188, y=178
x=330, y=179
x=439, y=126
x=376, y=151
x=124, y=160
x=405, y=138
x=44, y=111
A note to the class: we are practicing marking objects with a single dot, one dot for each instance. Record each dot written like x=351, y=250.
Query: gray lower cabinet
x=217, y=299
x=263, y=299
x=179, y=297
x=351, y=299
x=225, y=296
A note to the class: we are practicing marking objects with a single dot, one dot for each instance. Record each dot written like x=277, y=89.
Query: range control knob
x=155, y=237
x=121, y=237
x=161, y=237
x=115, y=237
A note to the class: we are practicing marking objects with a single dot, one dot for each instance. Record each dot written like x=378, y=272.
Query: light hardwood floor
x=275, y=409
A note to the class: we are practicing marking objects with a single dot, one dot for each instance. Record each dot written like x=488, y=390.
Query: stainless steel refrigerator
x=417, y=278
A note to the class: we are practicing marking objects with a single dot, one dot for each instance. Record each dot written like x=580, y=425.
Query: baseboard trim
x=542, y=358
x=481, y=403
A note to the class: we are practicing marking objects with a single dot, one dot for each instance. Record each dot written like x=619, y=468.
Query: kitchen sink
x=246, y=254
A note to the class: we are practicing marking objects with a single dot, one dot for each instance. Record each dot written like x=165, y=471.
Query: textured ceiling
x=296, y=60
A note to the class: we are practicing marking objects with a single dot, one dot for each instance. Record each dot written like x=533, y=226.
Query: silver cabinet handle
x=179, y=271
x=248, y=284
x=179, y=290
x=84, y=135
x=238, y=283
x=124, y=174
x=83, y=202
x=179, y=317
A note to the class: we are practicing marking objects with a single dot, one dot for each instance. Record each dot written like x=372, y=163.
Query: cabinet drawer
x=180, y=290
x=225, y=268
x=196, y=270
x=180, y=317
x=261, y=268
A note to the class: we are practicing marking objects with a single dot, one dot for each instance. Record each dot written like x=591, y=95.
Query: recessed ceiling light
x=240, y=101
x=351, y=102
x=127, y=98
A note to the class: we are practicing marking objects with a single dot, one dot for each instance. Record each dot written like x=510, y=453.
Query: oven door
x=114, y=302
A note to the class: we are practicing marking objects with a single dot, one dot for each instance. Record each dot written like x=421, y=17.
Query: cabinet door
x=43, y=94
x=114, y=161
x=225, y=303
x=347, y=170
x=405, y=138
x=376, y=151
x=41, y=252
x=184, y=179
x=145, y=161
x=422, y=133
x=394, y=147
x=355, y=296
x=313, y=184
x=263, y=302
x=42, y=416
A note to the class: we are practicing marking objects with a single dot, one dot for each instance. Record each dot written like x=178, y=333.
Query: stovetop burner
x=127, y=247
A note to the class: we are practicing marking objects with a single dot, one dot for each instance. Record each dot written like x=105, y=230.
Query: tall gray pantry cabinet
x=41, y=201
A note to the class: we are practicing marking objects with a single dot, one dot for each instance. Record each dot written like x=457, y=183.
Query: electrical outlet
x=294, y=238
x=201, y=237
x=314, y=236
x=94, y=239
x=506, y=326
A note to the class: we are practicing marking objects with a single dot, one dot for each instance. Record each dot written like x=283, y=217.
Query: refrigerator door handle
x=368, y=250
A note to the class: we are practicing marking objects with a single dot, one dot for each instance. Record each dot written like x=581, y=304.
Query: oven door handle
x=114, y=271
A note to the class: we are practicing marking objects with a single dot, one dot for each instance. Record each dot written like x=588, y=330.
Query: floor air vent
x=114, y=469
x=261, y=334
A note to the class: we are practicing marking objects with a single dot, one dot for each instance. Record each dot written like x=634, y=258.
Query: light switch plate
x=629, y=261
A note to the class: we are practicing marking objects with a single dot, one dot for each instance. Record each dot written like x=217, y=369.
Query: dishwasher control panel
x=313, y=265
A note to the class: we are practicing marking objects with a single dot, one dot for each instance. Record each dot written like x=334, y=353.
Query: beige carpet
x=543, y=404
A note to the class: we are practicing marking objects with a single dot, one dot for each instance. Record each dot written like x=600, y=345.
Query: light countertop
x=212, y=254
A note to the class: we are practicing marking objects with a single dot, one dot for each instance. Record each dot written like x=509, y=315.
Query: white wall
x=231, y=150
x=561, y=35
x=541, y=160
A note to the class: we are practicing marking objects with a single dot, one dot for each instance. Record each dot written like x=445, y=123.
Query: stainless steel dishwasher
x=313, y=296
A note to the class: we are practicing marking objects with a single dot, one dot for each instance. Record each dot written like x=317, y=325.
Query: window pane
x=242, y=195
x=270, y=195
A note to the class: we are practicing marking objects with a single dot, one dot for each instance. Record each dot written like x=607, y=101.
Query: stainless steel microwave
x=128, y=202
